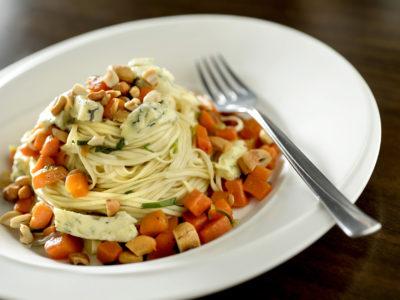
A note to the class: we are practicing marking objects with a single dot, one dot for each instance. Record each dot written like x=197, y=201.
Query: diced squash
x=165, y=245
x=215, y=229
x=197, y=222
x=207, y=120
x=28, y=151
x=260, y=174
x=196, y=202
x=228, y=133
x=235, y=187
x=256, y=183
x=48, y=176
x=258, y=189
x=153, y=223
x=51, y=146
x=41, y=216
x=77, y=184
x=251, y=129
x=61, y=158
x=43, y=161
x=172, y=223
x=108, y=252
x=202, y=140
x=59, y=247
x=220, y=195
x=40, y=139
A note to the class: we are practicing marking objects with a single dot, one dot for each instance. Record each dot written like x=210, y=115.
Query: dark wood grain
x=367, y=33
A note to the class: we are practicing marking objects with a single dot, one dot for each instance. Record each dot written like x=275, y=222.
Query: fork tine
x=209, y=82
x=203, y=79
x=228, y=70
x=213, y=76
x=206, y=81
x=230, y=89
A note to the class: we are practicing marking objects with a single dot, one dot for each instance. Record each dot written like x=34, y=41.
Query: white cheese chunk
x=227, y=163
x=85, y=109
x=46, y=118
x=120, y=228
x=148, y=115
x=20, y=165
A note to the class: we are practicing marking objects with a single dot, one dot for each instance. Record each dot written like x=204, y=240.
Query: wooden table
x=367, y=33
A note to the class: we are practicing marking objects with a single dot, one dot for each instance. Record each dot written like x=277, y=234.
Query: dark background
x=367, y=33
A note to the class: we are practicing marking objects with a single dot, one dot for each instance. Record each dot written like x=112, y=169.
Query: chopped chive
x=81, y=142
x=146, y=147
x=128, y=192
x=104, y=149
x=221, y=211
x=107, y=150
x=120, y=144
x=175, y=147
x=159, y=204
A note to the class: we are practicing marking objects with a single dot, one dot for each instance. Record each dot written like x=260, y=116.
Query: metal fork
x=232, y=95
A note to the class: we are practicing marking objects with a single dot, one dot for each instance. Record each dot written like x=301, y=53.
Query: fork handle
x=350, y=219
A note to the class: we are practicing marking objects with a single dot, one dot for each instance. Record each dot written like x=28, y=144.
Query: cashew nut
x=142, y=245
x=186, y=236
x=25, y=236
x=127, y=257
x=253, y=158
x=18, y=220
x=79, y=258
x=5, y=218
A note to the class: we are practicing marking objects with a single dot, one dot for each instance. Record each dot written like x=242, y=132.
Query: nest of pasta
x=131, y=157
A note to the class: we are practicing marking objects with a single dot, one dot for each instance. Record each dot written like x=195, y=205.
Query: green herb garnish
x=223, y=212
x=108, y=150
x=146, y=147
x=81, y=142
x=159, y=204
x=128, y=192
x=120, y=144
x=175, y=147
x=104, y=149
x=226, y=214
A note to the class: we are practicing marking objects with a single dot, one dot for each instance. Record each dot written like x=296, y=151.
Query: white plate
x=308, y=89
